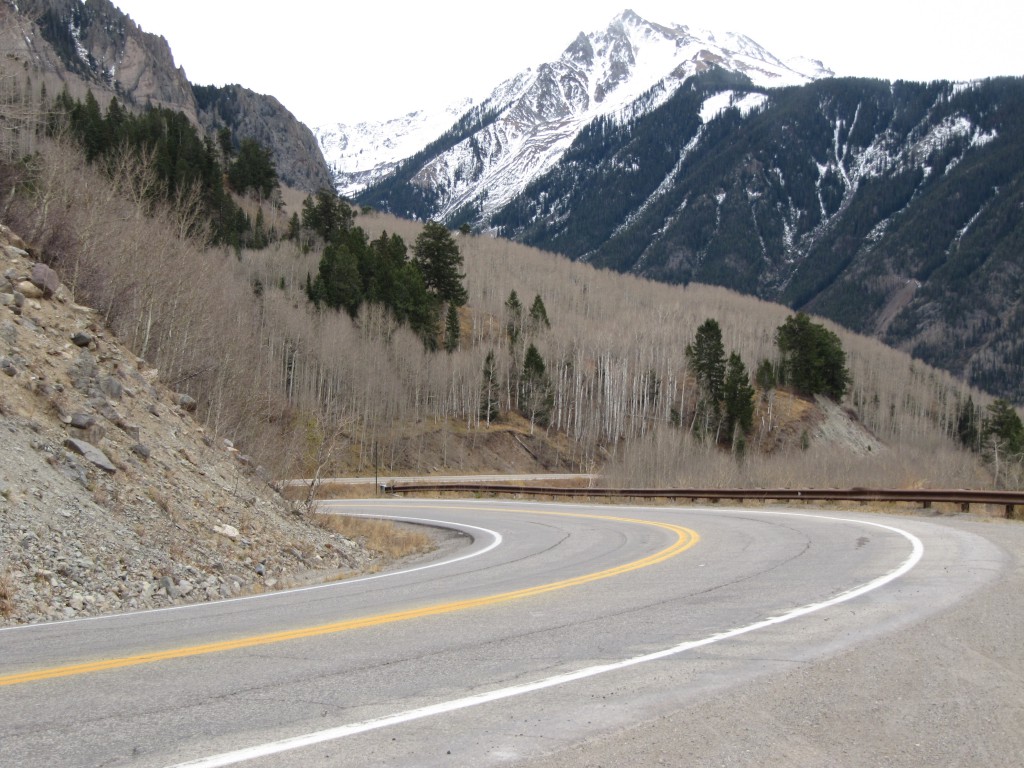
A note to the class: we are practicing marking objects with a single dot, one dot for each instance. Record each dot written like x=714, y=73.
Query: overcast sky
x=331, y=62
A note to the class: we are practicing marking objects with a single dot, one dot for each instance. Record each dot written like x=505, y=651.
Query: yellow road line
x=685, y=539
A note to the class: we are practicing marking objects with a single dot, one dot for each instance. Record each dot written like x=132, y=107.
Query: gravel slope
x=112, y=496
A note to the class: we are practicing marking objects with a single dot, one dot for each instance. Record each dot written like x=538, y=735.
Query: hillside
x=891, y=208
x=77, y=45
x=112, y=496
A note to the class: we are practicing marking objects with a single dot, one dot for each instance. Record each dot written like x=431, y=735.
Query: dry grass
x=7, y=591
x=388, y=539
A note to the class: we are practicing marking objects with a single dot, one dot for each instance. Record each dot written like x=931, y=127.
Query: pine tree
x=437, y=255
x=738, y=397
x=968, y=421
x=513, y=318
x=813, y=360
x=765, y=376
x=337, y=283
x=535, y=389
x=538, y=315
x=1003, y=439
x=326, y=214
x=253, y=169
x=489, y=392
x=451, y=329
x=708, y=355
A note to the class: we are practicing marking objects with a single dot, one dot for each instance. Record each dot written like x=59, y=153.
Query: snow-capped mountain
x=361, y=154
x=892, y=208
x=528, y=122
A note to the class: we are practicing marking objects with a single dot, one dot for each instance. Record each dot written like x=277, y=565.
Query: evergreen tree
x=1003, y=439
x=708, y=356
x=813, y=360
x=88, y=120
x=337, y=283
x=765, y=376
x=513, y=318
x=535, y=398
x=326, y=214
x=224, y=141
x=1003, y=426
x=438, y=258
x=538, y=315
x=489, y=392
x=738, y=397
x=451, y=329
x=253, y=169
x=260, y=238
x=294, y=228
x=968, y=424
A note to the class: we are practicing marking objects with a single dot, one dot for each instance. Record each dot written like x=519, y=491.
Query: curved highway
x=554, y=625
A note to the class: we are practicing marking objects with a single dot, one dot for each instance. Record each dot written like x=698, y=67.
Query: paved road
x=552, y=637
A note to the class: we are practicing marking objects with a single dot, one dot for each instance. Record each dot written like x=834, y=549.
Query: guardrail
x=1009, y=500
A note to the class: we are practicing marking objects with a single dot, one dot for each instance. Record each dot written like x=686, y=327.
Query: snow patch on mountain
x=360, y=154
x=622, y=72
x=717, y=104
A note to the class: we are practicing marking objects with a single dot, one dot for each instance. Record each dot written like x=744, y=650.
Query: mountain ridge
x=876, y=204
x=633, y=65
x=102, y=47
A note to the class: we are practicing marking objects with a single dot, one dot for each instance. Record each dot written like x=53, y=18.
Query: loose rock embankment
x=112, y=496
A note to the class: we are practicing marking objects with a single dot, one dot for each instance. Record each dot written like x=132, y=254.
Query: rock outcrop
x=297, y=156
x=98, y=43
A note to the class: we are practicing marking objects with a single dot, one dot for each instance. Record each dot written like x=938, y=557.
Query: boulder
x=28, y=290
x=185, y=402
x=90, y=453
x=81, y=339
x=45, y=279
x=14, y=240
x=82, y=420
x=111, y=387
x=83, y=372
x=9, y=332
x=227, y=531
x=130, y=429
x=92, y=434
x=169, y=587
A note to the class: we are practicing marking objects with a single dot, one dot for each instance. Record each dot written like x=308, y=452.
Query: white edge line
x=496, y=540
x=332, y=734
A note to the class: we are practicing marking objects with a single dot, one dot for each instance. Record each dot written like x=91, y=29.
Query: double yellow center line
x=685, y=539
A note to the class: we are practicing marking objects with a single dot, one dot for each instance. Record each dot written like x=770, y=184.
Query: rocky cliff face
x=104, y=47
x=96, y=43
x=297, y=155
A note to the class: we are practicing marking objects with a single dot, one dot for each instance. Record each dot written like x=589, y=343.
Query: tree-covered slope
x=891, y=208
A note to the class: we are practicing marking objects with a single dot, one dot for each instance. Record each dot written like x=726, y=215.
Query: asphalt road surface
x=563, y=635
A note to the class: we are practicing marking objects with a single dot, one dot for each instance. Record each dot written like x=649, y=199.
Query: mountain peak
x=629, y=16
x=630, y=67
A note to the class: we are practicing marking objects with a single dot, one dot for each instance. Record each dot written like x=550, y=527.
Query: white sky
x=331, y=62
